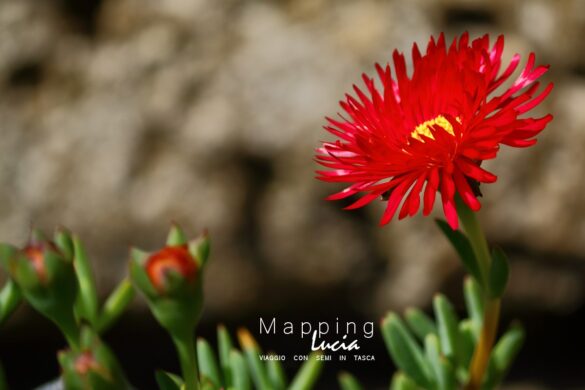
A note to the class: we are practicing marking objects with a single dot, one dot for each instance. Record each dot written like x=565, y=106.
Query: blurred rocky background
x=118, y=116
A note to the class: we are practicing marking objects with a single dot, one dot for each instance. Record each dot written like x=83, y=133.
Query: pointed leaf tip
x=405, y=351
x=176, y=236
x=348, y=382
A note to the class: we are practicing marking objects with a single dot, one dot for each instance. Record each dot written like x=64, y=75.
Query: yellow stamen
x=425, y=127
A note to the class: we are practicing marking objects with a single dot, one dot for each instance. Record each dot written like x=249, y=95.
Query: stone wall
x=118, y=116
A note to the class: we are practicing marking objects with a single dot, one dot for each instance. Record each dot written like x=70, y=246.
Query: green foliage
x=474, y=304
x=92, y=366
x=435, y=354
x=308, y=373
x=348, y=382
x=252, y=354
x=62, y=287
x=167, y=381
x=239, y=371
x=276, y=374
x=407, y=353
x=177, y=300
x=225, y=346
x=443, y=374
x=208, y=367
x=503, y=355
x=10, y=298
x=432, y=353
x=402, y=382
x=447, y=323
x=87, y=301
x=45, y=276
x=115, y=305
x=242, y=369
x=419, y=322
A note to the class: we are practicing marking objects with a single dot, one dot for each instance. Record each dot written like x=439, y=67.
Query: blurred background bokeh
x=118, y=116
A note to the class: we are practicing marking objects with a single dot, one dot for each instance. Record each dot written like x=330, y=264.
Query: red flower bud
x=35, y=253
x=86, y=362
x=170, y=259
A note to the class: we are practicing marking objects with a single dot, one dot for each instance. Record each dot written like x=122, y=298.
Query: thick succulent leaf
x=404, y=350
x=433, y=355
x=88, y=301
x=10, y=298
x=208, y=367
x=115, y=305
x=420, y=324
x=348, y=382
x=448, y=327
x=474, y=305
x=443, y=370
x=240, y=376
x=276, y=374
x=225, y=345
x=206, y=384
x=255, y=365
x=467, y=343
x=503, y=355
x=167, y=381
x=309, y=372
x=447, y=377
x=402, y=382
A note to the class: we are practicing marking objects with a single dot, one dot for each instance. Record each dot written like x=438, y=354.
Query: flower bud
x=171, y=280
x=35, y=254
x=38, y=264
x=85, y=362
x=94, y=366
x=169, y=267
x=45, y=276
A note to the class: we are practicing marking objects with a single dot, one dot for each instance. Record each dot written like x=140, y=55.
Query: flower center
x=425, y=127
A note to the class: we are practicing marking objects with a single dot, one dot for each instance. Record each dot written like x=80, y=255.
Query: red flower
x=170, y=259
x=432, y=129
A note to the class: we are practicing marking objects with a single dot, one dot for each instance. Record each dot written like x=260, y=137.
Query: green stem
x=491, y=315
x=68, y=326
x=481, y=355
x=186, y=350
x=476, y=237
